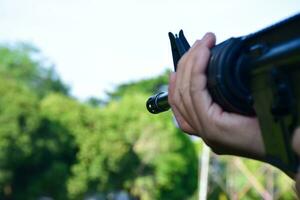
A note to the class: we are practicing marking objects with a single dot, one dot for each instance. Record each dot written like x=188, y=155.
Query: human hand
x=197, y=114
x=296, y=147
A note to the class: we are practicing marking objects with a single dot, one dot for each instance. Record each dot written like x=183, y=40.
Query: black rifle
x=256, y=74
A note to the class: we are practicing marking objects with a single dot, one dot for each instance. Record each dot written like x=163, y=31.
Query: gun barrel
x=158, y=103
x=282, y=54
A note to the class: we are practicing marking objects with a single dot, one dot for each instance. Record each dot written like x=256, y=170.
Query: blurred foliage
x=239, y=178
x=52, y=145
x=24, y=63
x=35, y=153
x=147, y=86
x=125, y=152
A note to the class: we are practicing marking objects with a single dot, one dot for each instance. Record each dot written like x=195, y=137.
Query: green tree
x=19, y=120
x=135, y=152
x=25, y=63
x=36, y=153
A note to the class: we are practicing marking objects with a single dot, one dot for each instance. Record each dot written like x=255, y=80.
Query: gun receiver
x=256, y=74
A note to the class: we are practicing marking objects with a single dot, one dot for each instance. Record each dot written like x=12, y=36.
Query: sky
x=98, y=44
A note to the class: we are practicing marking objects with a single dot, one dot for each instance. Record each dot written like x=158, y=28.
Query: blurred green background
x=79, y=128
x=53, y=146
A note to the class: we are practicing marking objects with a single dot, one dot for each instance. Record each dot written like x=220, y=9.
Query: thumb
x=209, y=40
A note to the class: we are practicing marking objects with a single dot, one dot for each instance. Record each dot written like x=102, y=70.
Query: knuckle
x=174, y=100
x=179, y=105
x=184, y=89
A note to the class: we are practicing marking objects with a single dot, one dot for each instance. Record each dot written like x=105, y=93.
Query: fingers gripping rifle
x=256, y=74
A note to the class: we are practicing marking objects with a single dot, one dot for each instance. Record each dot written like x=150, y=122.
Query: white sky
x=97, y=44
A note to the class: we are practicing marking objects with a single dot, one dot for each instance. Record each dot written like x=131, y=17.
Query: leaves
x=53, y=145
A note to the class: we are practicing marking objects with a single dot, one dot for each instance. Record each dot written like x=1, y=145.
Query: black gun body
x=275, y=89
x=274, y=74
x=258, y=74
x=276, y=96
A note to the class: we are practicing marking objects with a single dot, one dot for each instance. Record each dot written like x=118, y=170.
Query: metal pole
x=204, y=168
